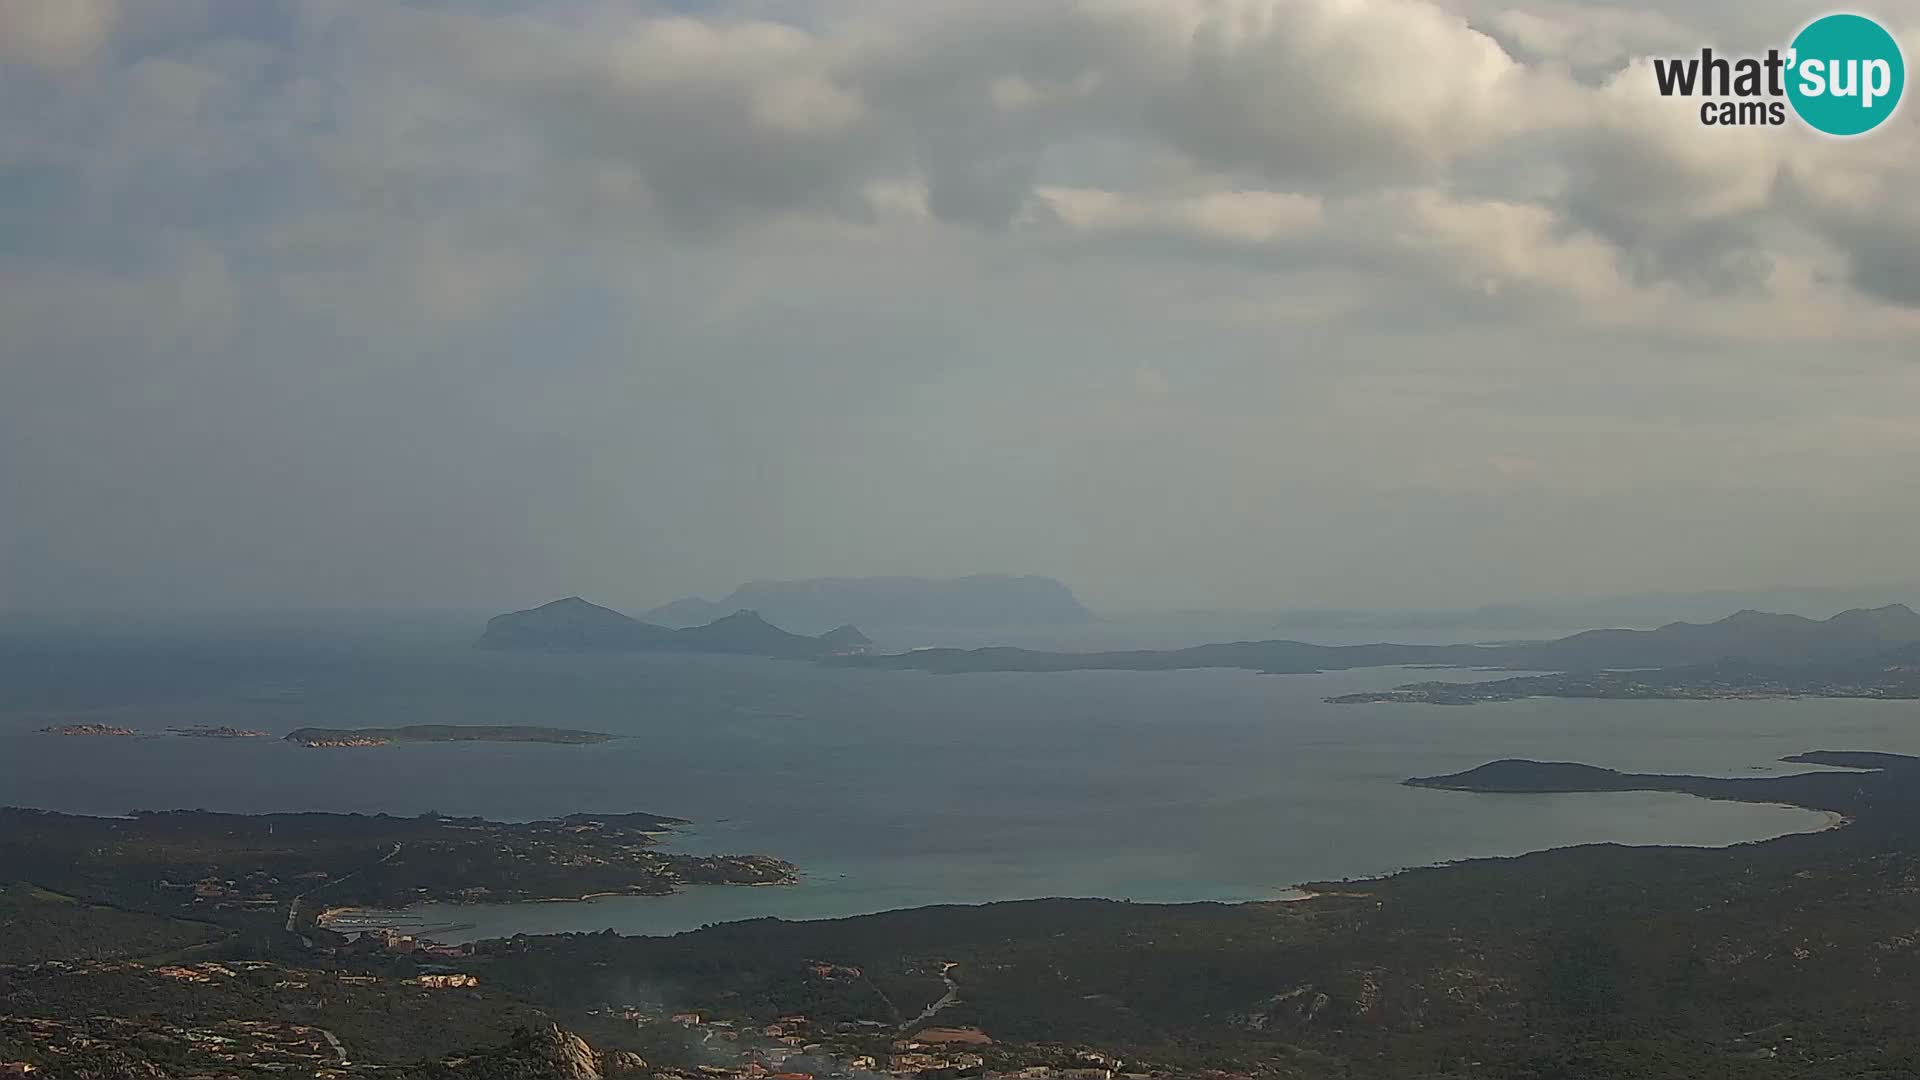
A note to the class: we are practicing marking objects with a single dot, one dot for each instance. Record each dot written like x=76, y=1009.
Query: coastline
x=693, y=908
x=327, y=916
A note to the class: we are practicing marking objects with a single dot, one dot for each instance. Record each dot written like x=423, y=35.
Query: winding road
x=293, y=906
x=951, y=997
x=334, y=1041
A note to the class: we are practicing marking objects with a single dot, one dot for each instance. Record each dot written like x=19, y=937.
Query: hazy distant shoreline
x=441, y=733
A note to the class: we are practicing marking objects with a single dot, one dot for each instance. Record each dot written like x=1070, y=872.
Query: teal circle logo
x=1846, y=74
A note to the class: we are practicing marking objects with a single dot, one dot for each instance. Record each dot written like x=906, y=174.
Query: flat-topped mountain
x=978, y=600
x=575, y=625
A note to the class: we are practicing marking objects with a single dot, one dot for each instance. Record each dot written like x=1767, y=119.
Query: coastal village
x=273, y=1005
x=290, y=974
x=259, y=1045
x=341, y=740
x=794, y=1048
x=114, y=730
x=787, y=1047
x=197, y=732
x=204, y=1046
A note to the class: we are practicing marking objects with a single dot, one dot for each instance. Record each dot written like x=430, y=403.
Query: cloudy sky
x=1187, y=302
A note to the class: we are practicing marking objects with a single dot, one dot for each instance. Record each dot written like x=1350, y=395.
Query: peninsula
x=1893, y=675
x=282, y=869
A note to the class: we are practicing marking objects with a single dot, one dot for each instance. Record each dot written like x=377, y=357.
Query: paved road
x=951, y=997
x=334, y=1041
x=293, y=906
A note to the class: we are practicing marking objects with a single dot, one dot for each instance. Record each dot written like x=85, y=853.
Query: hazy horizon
x=1253, y=305
x=1814, y=601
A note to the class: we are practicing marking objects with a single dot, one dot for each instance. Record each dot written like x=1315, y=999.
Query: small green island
x=356, y=737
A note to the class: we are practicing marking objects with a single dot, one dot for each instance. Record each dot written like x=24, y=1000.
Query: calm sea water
x=900, y=789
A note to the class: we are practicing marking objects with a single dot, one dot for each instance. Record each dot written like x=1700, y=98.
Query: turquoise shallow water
x=899, y=789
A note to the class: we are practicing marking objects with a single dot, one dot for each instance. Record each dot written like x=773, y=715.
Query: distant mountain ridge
x=978, y=600
x=1853, y=635
x=576, y=625
x=1859, y=634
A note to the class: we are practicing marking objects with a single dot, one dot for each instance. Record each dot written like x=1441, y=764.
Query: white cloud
x=1587, y=37
x=1329, y=90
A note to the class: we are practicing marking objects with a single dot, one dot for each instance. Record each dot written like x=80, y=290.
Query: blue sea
x=899, y=789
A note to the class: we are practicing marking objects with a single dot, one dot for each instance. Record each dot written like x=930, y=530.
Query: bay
x=897, y=789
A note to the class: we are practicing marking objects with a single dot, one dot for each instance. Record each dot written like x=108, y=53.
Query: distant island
x=346, y=737
x=575, y=625
x=1861, y=652
x=87, y=729
x=1875, y=789
x=1862, y=637
x=977, y=600
x=221, y=732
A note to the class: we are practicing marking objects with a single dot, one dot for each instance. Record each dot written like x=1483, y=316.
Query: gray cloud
x=54, y=36
x=1274, y=302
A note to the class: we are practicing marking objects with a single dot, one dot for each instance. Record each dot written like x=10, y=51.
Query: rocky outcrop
x=846, y=640
x=570, y=625
x=538, y=1053
x=616, y=1064
x=574, y=625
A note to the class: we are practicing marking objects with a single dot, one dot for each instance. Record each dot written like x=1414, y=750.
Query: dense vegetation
x=246, y=870
x=383, y=1020
x=1794, y=959
x=1593, y=963
x=37, y=925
